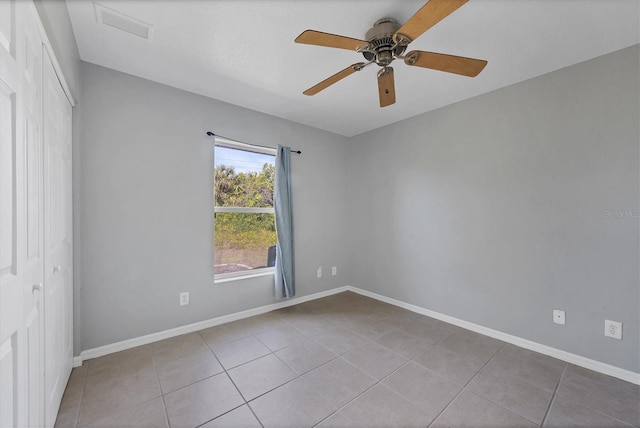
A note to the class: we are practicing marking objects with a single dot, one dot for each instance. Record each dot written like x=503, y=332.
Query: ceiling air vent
x=115, y=19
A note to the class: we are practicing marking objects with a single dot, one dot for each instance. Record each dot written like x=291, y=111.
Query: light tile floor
x=342, y=361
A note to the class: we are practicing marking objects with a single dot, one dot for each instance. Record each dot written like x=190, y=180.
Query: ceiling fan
x=387, y=41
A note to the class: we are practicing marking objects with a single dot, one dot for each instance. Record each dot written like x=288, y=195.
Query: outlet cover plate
x=184, y=298
x=613, y=329
x=558, y=316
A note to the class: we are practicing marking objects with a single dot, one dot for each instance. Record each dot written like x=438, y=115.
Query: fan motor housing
x=383, y=49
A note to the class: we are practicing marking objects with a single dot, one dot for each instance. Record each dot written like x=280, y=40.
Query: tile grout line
x=384, y=378
x=225, y=370
x=164, y=403
x=360, y=394
x=553, y=396
x=341, y=356
x=162, y=394
x=515, y=377
x=577, y=403
x=105, y=417
x=93, y=422
x=234, y=385
x=299, y=376
x=308, y=371
x=506, y=408
x=565, y=366
x=279, y=359
x=465, y=386
x=166, y=412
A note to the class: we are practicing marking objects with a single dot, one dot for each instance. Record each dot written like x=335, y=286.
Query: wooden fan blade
x=335, y=78
x=318, y=38
x=450, y=63
x=386, y=87
x=427, y=16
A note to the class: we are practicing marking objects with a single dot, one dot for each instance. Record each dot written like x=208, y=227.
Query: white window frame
x=253, y=273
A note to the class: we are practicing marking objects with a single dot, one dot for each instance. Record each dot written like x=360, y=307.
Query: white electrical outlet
x=334, y=270
x=184, y=298
x=558, y=316
x=613, y=329
x=319, y=271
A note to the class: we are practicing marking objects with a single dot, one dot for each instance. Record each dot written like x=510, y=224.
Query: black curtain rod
x=211, y=134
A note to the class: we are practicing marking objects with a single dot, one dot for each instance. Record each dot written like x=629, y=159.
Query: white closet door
x=12, y=214
x=33, y=292
x=58, y=270
x=35, y=230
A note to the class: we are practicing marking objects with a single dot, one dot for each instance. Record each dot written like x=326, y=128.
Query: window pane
x=243, y=178
x=243, y=241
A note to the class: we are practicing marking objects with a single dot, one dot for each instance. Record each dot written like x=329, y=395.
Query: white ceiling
x=242, y=51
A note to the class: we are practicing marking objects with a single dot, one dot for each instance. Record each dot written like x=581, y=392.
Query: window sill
x=220, y=279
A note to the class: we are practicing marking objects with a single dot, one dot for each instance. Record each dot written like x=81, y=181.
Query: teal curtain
x=285, y=272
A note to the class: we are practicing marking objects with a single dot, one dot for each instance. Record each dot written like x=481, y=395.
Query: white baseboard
x=578, y=360
x=190, y=328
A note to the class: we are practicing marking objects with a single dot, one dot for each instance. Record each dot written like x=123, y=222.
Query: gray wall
x=494, y=210
x=147, y=209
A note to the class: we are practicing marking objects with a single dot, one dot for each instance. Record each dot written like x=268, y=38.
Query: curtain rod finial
x=211, y=134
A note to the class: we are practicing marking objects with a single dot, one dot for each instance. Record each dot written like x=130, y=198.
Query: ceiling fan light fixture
x=384, y=58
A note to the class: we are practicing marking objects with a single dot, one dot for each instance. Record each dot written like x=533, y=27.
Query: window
x=244, y=218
